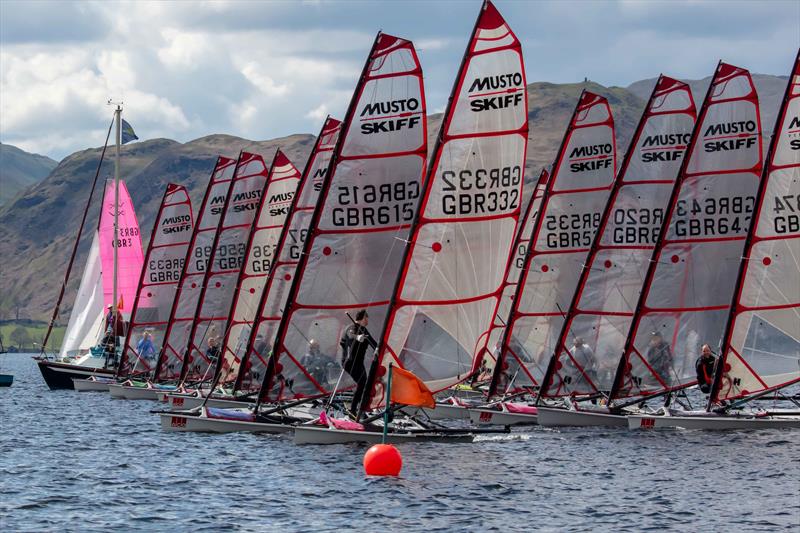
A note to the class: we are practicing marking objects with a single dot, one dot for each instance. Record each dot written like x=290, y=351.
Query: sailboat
x=576, y=193
x=109, y=280
x=760, y=352
x=603, y=305
x=268, y=309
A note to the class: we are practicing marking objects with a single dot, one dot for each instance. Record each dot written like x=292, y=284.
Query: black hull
x=60, y=375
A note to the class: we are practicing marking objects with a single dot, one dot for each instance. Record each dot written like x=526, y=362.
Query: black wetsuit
x=353, y=352
x=705, y=372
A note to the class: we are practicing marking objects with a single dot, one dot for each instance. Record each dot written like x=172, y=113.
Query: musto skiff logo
x=500, y=91
x=794, y=133
x=176, y=224
x=394, y=115
x=590, y=158
x=729, y=136
x=664, y=147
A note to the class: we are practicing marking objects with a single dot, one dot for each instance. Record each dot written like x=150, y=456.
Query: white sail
x=763, y=351
x=87, y=320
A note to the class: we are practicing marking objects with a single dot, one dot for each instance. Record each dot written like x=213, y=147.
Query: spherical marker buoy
x=383, y=460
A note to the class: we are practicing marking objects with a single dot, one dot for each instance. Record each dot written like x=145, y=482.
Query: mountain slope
x=20, y=169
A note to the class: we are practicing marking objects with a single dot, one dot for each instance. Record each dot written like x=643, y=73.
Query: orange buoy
x=383, y=460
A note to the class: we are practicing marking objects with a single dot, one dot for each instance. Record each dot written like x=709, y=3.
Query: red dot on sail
x=727, y=367
x=608, y=263
x=218, y=284
x=149, y=294
x=194, y=285
x=545, y=268
x=767, y=261
x=327, y=250
x=436, y=247
x=675, y=258
x=252, y=290
x=287, y=277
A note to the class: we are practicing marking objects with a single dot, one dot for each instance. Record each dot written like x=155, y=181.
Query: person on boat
x=145, y=347
x=212, y=352
x=705, y=369
x=659, y=356
x=354, y=342
x=580, y=363
x=316, y=363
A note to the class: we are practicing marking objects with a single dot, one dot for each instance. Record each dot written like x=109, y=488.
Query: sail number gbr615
x=483, y=191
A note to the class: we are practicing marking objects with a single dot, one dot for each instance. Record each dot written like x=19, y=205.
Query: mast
x=662, y=115
x=114, y=302
x=75, y=246
x=728, y=356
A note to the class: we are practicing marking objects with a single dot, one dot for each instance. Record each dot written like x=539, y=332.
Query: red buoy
x=383, y=460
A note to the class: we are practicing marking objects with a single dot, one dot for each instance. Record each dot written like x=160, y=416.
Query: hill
x=20, y=169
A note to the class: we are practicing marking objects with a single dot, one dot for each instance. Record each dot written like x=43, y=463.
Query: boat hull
x=128, y=392
x=324, y=435
x=91, y=385
x=190, y=401
x=712, y=422
x=6, y=380
x=483, y=417
x=553, y=417
x=176, y=421
x=447, y=412
x=60, y=375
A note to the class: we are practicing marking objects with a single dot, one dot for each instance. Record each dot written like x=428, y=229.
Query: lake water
x=84, y=462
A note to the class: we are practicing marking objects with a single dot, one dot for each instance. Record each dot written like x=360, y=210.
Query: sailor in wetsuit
x=705, y=369
x=354, y=342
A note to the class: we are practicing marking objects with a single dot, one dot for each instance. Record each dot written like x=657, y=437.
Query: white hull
x=128, y=392
x=712, y=422
x=324, y=435
x=115, y=390
x=182, y=422
x=190, y=401
x=91, y=385
x=445, y=411
x=554, y=417
x=482, y=417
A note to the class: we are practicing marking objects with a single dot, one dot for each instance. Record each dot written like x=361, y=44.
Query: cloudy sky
x=261, y=70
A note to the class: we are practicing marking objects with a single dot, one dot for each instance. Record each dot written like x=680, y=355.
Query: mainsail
x=260, y=256
x=227, y=257
x=158, y=285
x=521, y=244
x=762, y=348
x=95, y=292
x=453, y=272
x=129, y=248
x=184, y=307
x=690, y=282
x=602, y=307
x=573, y=202
x=358, y=230
x=253, y=363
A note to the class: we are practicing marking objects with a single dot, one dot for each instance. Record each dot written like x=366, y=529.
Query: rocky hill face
x=20, y=169
x=38, y=228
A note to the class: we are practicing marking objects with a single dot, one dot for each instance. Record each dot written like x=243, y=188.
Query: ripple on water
x=90, y=464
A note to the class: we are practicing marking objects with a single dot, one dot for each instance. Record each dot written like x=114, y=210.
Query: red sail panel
x=163, y=264
x=612, y=279
x=763, y=346
x=184, y=308
x=576, y=195
x=273, y=299
x=227, y=257
x=454, y=271
x=259, y=257
x=691, y=279
x=358, y=232
x=521, y=244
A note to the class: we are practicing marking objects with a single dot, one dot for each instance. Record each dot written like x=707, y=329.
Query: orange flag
x=120, y=303
x=408, y=389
